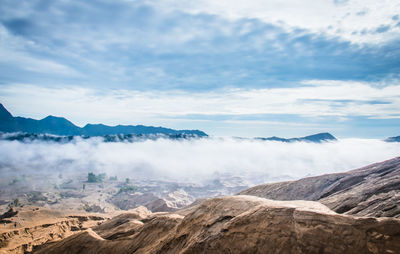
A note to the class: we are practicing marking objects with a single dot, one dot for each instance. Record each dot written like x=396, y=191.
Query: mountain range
x=317, y=138
x=393, y=139
x=61, y=126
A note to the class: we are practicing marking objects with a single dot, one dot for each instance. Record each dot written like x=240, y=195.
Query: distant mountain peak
x=50, y=117
x=321, y=136
x=53, y=118
x=57, y=120
x=316, y=138
x=393, y=139
x=4, y=114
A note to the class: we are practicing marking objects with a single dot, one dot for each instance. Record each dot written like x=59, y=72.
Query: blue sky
x=230, y=68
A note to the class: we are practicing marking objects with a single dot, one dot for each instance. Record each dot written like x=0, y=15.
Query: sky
x=230, y=68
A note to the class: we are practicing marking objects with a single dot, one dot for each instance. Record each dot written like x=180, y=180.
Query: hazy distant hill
x=61, y=126
x=130, y=138
x=393, y=139
x=312, y=138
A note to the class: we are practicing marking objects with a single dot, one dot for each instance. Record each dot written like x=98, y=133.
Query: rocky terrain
x=236, y=224
x=373, y=190
x=74, y=192
x=229, y=224
x=23, y=228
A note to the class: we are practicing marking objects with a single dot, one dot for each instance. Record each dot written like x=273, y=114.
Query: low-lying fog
x=194, y=160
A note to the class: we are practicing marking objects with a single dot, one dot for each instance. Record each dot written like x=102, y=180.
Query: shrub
x=127, y=188
x=92, y=178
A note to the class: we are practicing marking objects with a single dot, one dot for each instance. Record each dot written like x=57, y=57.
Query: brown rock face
x=36, y=226
x=238, y=224
x=373, y=190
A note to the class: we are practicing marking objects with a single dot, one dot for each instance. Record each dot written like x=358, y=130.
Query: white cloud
x=312, y=99
x=347, y=20
x=13, y=51
x=195, y=160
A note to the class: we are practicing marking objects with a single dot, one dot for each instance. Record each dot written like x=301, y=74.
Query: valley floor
x=352, y=212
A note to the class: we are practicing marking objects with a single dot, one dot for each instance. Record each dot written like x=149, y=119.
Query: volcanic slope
x=372, y=191
x=237, y=224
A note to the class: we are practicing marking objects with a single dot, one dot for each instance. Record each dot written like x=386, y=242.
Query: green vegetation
x=127, y=181
x=102, y=176
x=14, y=181
x=93, y=178
x=127, y=188
x=36, y=196
x=14, y=203
x=113, y=178
x=68, y=181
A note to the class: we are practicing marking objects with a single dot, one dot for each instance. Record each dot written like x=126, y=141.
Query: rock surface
x=170, y=202
x=373, y=190
x=237, y=224
x=33, y=226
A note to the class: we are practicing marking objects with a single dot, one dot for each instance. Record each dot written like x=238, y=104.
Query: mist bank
x=40, y=137
x=193, y=160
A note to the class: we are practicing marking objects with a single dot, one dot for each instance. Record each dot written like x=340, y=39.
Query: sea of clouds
x=194, y=160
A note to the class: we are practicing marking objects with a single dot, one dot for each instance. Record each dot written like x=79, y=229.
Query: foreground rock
x=29, y=226
x=170, y=202
x=373, y=190
x=238, y=224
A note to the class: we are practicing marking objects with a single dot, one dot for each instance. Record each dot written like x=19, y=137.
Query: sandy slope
x=234, y=224
x=238, y=224
x=36, y=226
x=373, y=190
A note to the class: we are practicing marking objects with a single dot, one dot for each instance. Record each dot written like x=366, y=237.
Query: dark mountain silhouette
x=4, y=114
x=393, y=139
x=130, y=138
x=61, y=126
x=320, y=137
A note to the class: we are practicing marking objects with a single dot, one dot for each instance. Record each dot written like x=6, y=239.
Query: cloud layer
x=358, y=21
x=195, y=161
x=198, y=45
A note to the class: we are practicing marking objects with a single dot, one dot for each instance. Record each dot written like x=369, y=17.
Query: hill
x=61, y=126
x=237, y=224
x=393, y=139
x=234, y=224
x=373, y=190
x=316, y=138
